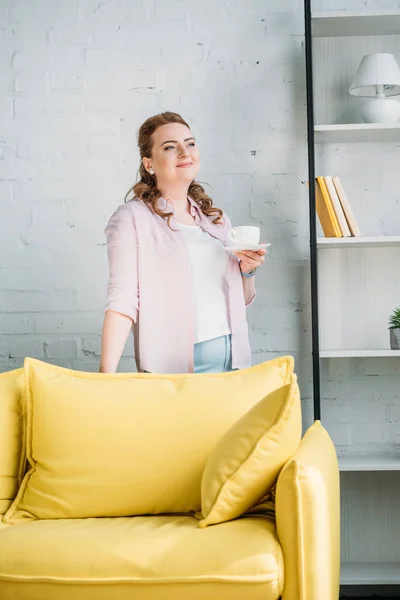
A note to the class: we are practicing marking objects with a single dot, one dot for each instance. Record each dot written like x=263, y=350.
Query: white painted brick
x=367, y=412
x=6, y=108
x=127, y=365
x=180, y=10
x=70, y=80
x=394, y=412
x=22, y=346
x=341, y=434
x=84, y=364
x=36, y=301
x=275, y=340
x=48, y=102
x=44, y=59
x=98, y=59
x=37, y=82
x=259, y=7
x=23, y=35
x=22, y=280
x=44, y=11
x=42, y=148
x=119, y=101
x=18, y=169
x=370, y=435
x=10, y=364
x=108, y=16
x=91, y=347
x=377, y=367
x=75, y=35
x=6, y=193
x=82, y=323
x=15, y=324
x=6, y=82
x=61, y=349
x=184, y=49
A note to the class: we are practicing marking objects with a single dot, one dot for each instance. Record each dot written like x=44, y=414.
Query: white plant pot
x=395, y=338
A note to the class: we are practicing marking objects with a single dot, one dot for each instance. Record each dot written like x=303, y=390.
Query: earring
x=151, y=172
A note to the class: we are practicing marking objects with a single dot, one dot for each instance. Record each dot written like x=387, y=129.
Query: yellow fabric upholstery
x=151, y=558
x=12, y=384
x=308, y=519
x=103, y=445
x=3, y=525
x=246, y=461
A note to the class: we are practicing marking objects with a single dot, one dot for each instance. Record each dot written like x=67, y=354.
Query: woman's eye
x=169, y=147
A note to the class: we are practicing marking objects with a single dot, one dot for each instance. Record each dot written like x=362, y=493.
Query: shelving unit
x=360, y=353
x=350, y=23
x=347, y=275
x=359, y=242
x=370, y=574
x=370, y=462
x=357, y=132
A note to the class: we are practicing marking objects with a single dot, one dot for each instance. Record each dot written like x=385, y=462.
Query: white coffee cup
x=246, y=234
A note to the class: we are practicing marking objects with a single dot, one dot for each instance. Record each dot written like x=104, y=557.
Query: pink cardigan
x=149, y=280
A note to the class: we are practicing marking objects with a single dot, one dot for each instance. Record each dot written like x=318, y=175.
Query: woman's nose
x=184, y=151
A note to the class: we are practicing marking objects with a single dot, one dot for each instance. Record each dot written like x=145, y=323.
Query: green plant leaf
x=394, y=319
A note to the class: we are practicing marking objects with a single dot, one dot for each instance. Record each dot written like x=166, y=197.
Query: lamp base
x=380, y=110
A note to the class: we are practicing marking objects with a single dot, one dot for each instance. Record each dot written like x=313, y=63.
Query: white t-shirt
x=209, y=261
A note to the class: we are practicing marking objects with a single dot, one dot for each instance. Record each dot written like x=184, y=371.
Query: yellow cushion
x=12, y=384
x=308, y=519
x=3, y=525
x=246, y=461
x=103, y=445
x=151, y=558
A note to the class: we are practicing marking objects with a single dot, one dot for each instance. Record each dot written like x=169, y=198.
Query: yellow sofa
x=121, y=486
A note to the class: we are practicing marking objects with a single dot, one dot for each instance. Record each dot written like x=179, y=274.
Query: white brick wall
x=78, y=80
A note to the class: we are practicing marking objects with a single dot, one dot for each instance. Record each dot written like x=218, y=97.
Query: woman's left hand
x=250, y=260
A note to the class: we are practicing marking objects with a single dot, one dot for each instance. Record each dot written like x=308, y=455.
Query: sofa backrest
x=12, y=385
x=121, y=444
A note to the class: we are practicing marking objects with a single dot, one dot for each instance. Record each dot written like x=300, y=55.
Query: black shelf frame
x=312, y=212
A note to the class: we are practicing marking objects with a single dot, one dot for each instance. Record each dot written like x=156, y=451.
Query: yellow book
x=326, y=214
x=354, y=230
x=337, y=206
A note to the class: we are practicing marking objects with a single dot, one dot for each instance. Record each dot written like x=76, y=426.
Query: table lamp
x=378, y=76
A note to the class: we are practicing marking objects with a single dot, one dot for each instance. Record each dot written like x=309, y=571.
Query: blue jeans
x=213, y=356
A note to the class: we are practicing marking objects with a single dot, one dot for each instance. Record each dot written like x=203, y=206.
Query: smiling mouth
x=185, y=165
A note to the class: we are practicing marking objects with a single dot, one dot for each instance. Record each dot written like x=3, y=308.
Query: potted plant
x=394, y=328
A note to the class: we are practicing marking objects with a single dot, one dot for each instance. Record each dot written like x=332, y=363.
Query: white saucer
x=238, y=247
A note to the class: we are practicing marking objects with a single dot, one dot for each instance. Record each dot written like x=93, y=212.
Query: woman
x=171, y=280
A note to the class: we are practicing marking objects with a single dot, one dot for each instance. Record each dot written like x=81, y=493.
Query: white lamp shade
x=376, y=69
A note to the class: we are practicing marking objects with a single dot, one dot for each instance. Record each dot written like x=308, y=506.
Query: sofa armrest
x=308, y=519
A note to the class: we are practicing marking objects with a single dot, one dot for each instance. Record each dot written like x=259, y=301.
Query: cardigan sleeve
x=122, y=251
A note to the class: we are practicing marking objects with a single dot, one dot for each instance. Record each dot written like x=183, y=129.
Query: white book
x=346, y=206
x=337, y=206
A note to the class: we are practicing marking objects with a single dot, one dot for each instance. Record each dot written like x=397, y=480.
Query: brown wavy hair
x=146, y=188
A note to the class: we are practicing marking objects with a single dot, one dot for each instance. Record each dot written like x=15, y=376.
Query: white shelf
x=357, y=132
x=359, y=242
x=370, y=462
x=359, y=353
x=370, y=573
x=349, y=23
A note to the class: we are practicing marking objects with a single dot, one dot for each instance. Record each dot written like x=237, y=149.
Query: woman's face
x=175, y=156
